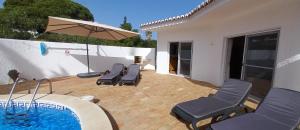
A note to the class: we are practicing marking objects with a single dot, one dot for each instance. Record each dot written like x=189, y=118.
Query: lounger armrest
x=125, y=71
x=106, y=72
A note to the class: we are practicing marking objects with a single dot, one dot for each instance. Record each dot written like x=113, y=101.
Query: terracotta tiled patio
x=143, y=107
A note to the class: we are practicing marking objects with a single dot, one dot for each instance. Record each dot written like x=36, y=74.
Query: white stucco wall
x=25, y=56
x=209, y=41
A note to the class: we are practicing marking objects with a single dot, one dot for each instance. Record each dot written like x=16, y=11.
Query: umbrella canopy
x=87, y=29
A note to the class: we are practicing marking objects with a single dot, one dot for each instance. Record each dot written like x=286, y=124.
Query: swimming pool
x=40, y=116
x=62, y=110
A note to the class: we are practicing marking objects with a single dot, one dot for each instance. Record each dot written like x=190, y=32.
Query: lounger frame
x=277, y=102
x=221, y=114
x=133, y=81
x=114, y=80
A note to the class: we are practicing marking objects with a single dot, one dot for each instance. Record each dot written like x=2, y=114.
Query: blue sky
x=137, y=11
x=111, y=12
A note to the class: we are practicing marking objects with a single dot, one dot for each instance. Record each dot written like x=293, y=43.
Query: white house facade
x=254, y=40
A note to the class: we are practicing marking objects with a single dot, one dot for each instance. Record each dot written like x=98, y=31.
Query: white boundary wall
x=25, y=56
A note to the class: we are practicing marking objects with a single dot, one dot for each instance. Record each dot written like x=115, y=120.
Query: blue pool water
x=42, y=116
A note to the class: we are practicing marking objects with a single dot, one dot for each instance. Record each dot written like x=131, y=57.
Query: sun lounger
x=280, y=110
x=229, y=98
x=132, y=75
x=113, y=76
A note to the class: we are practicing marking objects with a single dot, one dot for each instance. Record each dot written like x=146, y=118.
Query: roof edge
x=179, y=17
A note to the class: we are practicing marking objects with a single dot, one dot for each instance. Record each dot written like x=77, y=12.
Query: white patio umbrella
x=87, y=29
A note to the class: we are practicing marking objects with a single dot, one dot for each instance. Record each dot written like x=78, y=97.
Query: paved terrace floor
x=143, y=107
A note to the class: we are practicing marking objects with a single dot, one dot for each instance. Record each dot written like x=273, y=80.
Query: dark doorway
x=173, y=57
x=236, y=59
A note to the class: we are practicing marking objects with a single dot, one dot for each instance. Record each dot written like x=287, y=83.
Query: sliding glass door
x=259, y=62
x=185, y=58
x=180, y=58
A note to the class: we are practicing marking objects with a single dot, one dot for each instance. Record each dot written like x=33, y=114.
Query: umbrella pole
x=89, y=73
x=87, y=51
x=88, y=57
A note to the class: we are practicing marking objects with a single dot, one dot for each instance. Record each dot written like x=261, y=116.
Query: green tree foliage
x=27, y=19
x=125, y=25
x=135, y=41
x=148, y=35
x=32, y=15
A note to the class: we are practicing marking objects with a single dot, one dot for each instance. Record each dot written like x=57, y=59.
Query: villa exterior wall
x=209, y=43
x=25, y=56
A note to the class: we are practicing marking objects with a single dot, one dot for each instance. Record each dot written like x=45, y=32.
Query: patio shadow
x=202, y=83
x=111, y=118
x=188, y=126
x=29, y=70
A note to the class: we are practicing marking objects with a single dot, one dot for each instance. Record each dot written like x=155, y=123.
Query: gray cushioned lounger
x=132, y=75
x=113, y=76
x=280, y=110
x=228, y=99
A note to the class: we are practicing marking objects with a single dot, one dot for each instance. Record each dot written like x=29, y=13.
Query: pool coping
x=90, y=115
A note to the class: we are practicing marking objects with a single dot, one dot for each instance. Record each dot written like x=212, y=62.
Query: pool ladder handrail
x=12, y=91
x=37, y=88
x=35, y=91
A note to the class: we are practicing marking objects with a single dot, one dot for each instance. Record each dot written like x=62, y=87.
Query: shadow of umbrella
x=105, y=64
